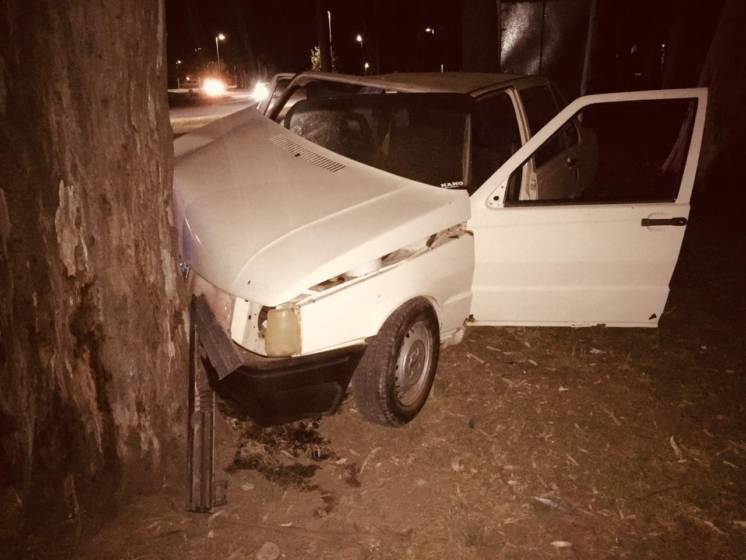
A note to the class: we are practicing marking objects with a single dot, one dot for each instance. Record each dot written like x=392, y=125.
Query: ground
x=536, y=443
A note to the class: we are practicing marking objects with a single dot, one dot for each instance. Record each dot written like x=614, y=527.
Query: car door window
x=495, y=137
x=631, y=151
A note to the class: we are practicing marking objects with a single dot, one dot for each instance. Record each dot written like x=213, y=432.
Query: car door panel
x=575, y=263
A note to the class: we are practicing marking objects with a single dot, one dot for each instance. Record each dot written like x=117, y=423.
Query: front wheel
x=394, y=377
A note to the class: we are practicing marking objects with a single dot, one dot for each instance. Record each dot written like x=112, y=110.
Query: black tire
x=385, y=392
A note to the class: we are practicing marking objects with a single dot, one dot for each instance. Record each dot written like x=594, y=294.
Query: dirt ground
x=536, y=443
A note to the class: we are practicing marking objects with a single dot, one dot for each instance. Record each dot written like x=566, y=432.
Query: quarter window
x=541, y=106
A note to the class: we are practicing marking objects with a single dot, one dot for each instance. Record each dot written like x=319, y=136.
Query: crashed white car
x=354, y=225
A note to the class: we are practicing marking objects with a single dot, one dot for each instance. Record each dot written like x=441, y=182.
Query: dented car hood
x=264, y=214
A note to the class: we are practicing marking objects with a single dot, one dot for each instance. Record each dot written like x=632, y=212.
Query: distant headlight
x=213, y=87
x=260, y=92
x=282, y=334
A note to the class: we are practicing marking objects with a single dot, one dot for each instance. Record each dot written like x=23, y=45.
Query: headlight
x=282, y=335
x=213, y=87
x=260, y=92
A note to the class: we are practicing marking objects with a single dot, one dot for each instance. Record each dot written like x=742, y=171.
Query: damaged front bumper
x=272, y=391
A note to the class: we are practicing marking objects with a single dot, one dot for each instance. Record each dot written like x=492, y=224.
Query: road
x=191, y=112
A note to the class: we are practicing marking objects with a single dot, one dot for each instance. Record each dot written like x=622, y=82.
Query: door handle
x=647, y=222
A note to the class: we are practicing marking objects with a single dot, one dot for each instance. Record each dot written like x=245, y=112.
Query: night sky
x=278, y=36
x=263, y=38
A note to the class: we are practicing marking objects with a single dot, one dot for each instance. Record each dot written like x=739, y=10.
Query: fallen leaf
x=561, y=544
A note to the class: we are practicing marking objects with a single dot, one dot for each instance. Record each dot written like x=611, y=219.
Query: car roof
x=450, y=82
x=468, y=83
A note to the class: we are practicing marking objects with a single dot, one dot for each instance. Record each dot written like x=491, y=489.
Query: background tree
x=724, y=73
x=91, y=320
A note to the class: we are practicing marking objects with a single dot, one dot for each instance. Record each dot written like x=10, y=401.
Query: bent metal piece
x=203, y=493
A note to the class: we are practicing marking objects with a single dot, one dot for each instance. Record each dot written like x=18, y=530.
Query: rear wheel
x=394, y=377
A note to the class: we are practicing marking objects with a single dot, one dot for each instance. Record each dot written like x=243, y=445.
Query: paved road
x=188, y=114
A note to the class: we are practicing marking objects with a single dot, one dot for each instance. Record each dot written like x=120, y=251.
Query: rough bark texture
x=91, y=320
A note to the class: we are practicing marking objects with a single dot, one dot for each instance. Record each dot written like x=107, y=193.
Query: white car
x=364, y=222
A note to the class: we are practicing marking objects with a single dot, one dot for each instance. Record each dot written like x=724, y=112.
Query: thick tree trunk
x=91, y=321
x=724, y=73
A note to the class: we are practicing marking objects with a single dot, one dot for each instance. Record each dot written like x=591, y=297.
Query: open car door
x=605, y=255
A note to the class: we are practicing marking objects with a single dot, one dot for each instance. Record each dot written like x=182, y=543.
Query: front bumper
x=273, y=391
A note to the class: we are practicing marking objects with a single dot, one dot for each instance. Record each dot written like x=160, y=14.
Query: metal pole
x=217, y=49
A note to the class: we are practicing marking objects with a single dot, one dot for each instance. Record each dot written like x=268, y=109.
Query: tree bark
x=92, y=325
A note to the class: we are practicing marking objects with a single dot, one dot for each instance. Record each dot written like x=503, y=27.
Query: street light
x=218, y=37
x=366, y=67
x=430, y=30
x=359, y=39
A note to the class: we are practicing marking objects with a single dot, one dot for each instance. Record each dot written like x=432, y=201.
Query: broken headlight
x=281, y=331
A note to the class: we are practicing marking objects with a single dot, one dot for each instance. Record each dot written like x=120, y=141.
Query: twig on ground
x=676, y=448
x=368, y=458
x=612, y=416
x=475, y=358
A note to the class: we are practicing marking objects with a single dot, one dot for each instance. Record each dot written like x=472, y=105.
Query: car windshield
x=417, y=136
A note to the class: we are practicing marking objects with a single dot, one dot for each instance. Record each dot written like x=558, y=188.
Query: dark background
x=635, y=44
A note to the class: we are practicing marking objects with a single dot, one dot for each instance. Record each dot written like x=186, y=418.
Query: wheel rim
x=413, y=364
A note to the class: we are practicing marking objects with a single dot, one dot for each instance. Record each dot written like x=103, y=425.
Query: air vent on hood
x=305, y=154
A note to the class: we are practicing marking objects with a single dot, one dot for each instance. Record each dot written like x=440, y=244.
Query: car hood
x=264, y=214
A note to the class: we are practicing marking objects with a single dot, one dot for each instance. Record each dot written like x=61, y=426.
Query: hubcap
x=413, y=363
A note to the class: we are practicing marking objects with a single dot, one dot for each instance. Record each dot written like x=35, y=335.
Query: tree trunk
x=724, y=73
x=92, y=333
